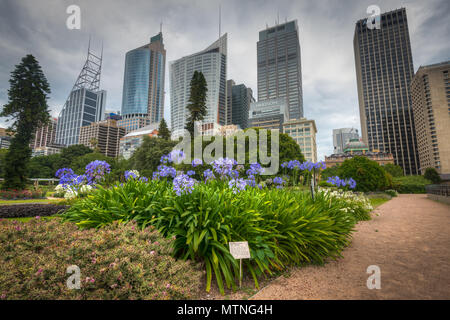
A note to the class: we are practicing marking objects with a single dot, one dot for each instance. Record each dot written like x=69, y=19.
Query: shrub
x=369, y=175
x=393, y=169
x=410, y=184
x=391, y=192
x=30, y=210
x=432, y=175
x=116, y=262
x=282, y=228
x=22, y=194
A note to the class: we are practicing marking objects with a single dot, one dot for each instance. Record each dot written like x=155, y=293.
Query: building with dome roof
x=356, y=147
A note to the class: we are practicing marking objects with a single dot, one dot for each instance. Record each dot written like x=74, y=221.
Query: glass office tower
x=212, y=62
x=81, y=109
x=85, y=104
x=279, y=66
x=143, y=82
x=384, y=69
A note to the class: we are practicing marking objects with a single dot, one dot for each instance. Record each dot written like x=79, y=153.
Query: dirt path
x=409, y=240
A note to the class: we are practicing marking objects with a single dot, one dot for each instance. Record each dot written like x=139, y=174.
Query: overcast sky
x=325, y=30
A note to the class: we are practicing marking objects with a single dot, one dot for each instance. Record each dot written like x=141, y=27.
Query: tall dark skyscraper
x=279, y=66
x=239, y=98
x=384, y=69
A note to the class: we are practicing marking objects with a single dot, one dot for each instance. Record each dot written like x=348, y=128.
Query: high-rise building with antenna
x=143, y=82
x=85, y=104
x=279, y=66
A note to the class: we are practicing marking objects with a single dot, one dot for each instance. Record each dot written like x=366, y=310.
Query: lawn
x=376, y=202
x=20, y=201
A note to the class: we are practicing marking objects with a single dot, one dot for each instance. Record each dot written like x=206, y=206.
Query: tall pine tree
x=27, y=107
x=197, y=101
x=163, y=130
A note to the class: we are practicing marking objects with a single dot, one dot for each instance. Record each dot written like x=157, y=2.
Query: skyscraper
x=279, y=66
x=212, y=62
x=143, y=81
x=342, y=136
x=384, y=69
x=85, y=104
x=239, y=98
x=430, y=90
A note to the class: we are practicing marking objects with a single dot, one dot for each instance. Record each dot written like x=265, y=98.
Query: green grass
x=376, y=202
x=26, y=219
x=47, y=201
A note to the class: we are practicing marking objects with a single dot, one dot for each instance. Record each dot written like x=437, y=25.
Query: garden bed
x=116, y=262
x=30, y=210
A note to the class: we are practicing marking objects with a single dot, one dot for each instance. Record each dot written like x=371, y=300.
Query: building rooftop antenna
x=220, y=18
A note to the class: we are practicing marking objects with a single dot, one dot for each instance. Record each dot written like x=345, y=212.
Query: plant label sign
x=239, y=250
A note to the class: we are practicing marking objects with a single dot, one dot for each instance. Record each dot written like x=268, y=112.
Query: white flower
x=85, y=188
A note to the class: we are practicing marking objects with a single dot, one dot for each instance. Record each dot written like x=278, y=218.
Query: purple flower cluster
x=190, y=173
x=209, y=175
x=183, y=184
x=338, y=182
x=255, y=169
x=165, y=171
x=176, y=156
x=130, y=174
x=196, y=162
x=224, y=166
x=66, y=176
x=96, y=170
x=307, y=165
x=237, y=184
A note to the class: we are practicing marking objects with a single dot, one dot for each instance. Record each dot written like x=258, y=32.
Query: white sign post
x=239, y=250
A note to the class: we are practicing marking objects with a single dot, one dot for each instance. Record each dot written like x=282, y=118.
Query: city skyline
x=325, y=32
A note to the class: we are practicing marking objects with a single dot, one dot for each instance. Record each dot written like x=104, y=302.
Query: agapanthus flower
x=278, y=180
x=96, y=170
x=143, y=179
x=197, y=162
x=165, y=171
x=223, y=166
x=190, y=172
x=237, y=184
x=176, y=156
x=255, y=169
x=165, y=159
x=131, y=174
x=66, y=176
x=208, y=174
x=183, y=184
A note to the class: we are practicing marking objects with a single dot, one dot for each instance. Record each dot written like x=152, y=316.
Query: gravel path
x=408, y=238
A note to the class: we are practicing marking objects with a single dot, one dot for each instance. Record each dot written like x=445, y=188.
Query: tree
x=69, y=154
x=368, y=174
x=393, y=169
x=163, y=130
x=147, y=157
x=27, y=106
x=197, y=101
x=432, y=175
x=79, y=163
x=3, y=153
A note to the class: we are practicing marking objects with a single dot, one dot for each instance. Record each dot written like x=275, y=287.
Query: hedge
x=30, y=210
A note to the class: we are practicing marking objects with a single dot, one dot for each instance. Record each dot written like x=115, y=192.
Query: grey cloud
x=326, y=36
